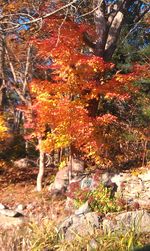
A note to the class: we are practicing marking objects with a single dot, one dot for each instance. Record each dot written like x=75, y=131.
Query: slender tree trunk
x=70, y=169
x=41, y=169
x=2, y=82
x=71, y=153
x=101, y=28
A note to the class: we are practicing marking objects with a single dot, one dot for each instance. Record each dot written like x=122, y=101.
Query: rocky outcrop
x=75, y=166
x=138, y=221
x=134, y=189
x=85, y=223
x=10, y=218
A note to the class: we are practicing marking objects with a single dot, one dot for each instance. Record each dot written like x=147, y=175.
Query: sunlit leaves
x=3, y=129
x=59, y=104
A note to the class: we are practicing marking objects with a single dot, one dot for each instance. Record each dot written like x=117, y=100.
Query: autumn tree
x=61, y=115
x=64, y=60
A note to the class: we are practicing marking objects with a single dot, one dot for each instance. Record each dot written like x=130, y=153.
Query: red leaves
x=59, y=107
x=106, y=119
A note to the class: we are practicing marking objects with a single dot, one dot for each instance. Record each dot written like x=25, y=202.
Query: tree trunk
x=101, y=28
x=2, y=81
x=113, y=35
x=41, y=169
x=108, y=22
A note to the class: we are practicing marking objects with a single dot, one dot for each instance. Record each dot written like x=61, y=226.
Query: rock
x=145, y=176
x=77, y=165
x=93, y=218
x=8, y=222
x=61, y=179
x=20, y=207
x=83, y=209
x=79, y=225
x=105, y=177
x=145, y=202
x=137, y=220
x=21, y=163
x=2, y=206
x=82, y=225
x=118, y=179
x=10, y=213
x=86, y=182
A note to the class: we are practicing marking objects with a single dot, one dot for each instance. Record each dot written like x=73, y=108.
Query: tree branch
x=39, y=19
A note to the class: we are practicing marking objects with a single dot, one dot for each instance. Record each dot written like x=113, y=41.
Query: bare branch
x=39, y=19
x=21, y=96
x=26, y=69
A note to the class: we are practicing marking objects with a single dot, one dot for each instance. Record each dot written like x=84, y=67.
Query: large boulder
x=11, y=218
x=83, y=224
x=9, y=212
x=76, y=165
x=139, y=221
x=61, y=181
x=22, y=163
x=11, y=222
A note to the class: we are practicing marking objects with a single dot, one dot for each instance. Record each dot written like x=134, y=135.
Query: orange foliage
x=3, y=129
x=59, y=106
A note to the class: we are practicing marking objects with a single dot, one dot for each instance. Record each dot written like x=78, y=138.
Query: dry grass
x=44, y=236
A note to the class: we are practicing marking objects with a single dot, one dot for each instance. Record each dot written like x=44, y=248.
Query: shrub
x=100, y=199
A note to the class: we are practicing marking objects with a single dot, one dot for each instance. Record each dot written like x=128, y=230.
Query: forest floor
x=17, y=186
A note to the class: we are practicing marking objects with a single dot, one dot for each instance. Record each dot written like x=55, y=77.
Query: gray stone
x=83, y=209
x=106, y=177
x=145, y=176
x=9, y=212
x=2, y=206
x=93, y=218
x=20, y=208
x=118, y=179
x=79, y=225
x=87, y=182
x=67, y=222
x=137, y=220
x=9, y=222
x=76, y=165
x=61, y=179
x=21, y=163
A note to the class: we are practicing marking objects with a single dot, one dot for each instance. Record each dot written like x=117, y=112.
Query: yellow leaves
x=124, y=78
x=3, y=129
x=10, y=7
x=44, y=97
x=57, y=138
x=62, y=164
